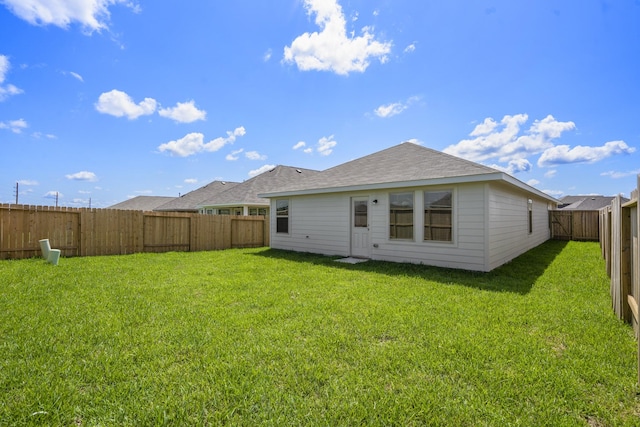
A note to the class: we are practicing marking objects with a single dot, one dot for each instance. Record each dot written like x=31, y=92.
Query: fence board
x=89, y=232
x=621, y=251
x=246, y=233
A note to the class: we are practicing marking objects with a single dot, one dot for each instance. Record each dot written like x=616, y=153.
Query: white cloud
x=4, y=67
x=117, y=103
x=234, y=155
x=82, y=176
x=260, y=170
x=533, y=182
x=93, y=15
x=183, y=112
x=411, y=48
x=27, y=182
x=504, y=142
x=254, y=155
x=193, y=143
x=562, y=154
x=515, y=166
x=390, y=110
x=415, y=141
x=76, y=76
x=331, y=49
x=618, y=175
x=15, y=126
x=53, y=195
x=39, y=135
x=326, y=145
x=191, y=181
x=299, y=145
x=267, y=55
x=551, y=173
x=554, y=193
x=9, y=89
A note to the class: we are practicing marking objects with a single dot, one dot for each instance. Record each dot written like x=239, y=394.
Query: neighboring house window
x=257, y=211
x=224, y=212
x=530, y=215
x=438, y=210
x=401, y=215
x=282, y=216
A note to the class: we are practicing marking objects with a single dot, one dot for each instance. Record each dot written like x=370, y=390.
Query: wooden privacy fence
x=619, y=224
x=574, y=225
x=88, y=232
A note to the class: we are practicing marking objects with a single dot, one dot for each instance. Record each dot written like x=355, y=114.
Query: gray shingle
x=189, y=202
x=246, y=193
x=141, y=203
x=400, y=163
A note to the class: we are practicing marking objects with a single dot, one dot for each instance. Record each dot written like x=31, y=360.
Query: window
x=530, y=215
x=401, y=215
x=437, y=215
x=282, y=216
x=257, y=211
x=360, y=208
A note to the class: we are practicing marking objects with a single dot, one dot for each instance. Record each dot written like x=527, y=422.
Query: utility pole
x=16, y=193
x=56, y=199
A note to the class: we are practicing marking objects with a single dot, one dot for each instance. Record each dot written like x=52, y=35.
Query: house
x=411, y=204
x=586, y=202
x=243, y=199
x=190, y=201
x=142, y=203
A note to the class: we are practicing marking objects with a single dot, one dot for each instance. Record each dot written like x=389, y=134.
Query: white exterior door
x=360, y=227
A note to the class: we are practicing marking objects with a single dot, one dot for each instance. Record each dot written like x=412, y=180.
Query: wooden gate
x=574, y=225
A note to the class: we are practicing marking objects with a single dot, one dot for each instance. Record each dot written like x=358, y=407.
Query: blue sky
x=103, y=100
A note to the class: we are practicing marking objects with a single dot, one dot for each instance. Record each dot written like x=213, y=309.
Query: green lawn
x=258, y=336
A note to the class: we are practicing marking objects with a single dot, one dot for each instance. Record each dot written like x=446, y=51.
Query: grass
x=258, y=336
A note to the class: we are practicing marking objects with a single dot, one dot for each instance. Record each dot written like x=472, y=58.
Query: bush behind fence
x=89, y=232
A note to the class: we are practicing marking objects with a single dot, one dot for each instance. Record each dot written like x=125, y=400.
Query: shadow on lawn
x=517, y=276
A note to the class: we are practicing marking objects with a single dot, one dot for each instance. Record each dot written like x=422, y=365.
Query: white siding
x=318, y=224
x=466, y=251
x=490, y=226
x=509, y=224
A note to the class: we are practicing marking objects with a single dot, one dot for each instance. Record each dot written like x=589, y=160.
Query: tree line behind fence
x=89, y=232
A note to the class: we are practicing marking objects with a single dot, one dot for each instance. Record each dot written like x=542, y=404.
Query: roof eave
x=496, y=176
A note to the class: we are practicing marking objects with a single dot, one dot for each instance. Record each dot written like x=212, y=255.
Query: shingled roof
x=586, y=202
x=188, y=202
x=246, y=193
x=141, y=203
x=406, y=164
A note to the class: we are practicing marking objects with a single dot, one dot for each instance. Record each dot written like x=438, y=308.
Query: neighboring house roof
x=406, y=164
x=246, y=193
x=189, y=202
x=141, y=203
x=586, y=202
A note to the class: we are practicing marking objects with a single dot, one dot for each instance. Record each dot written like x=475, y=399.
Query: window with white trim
x=282, y=216
x=401, y=215
x=438, y=214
